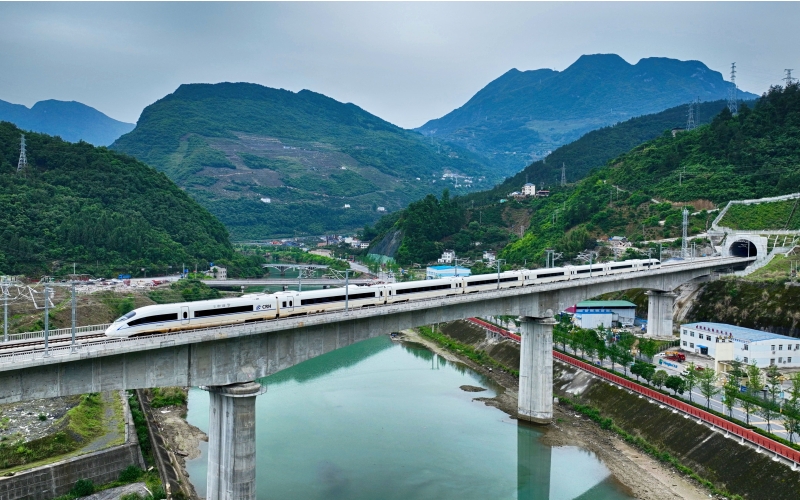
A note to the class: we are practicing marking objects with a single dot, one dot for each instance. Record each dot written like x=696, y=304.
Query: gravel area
x=34, y=419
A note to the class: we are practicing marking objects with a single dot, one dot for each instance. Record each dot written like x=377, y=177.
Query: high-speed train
x=166, y=318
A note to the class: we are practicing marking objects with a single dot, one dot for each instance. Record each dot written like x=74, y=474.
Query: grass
x=644, y=445
x=466, y=350
x=168, y=396
x=776, y=271
x=140, y=423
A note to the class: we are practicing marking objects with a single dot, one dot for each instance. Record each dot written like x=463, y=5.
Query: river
x=382, y=420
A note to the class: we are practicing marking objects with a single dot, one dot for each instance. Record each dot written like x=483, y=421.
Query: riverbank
x=643, y=476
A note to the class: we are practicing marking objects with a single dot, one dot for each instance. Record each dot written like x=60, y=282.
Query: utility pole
x=733, y=105
x=498, y=271
x=788, y=79
x=74, y=315
x=23, y=158
x=347, y=291
x=46, y=320
x=563, y=175
x=684, y=243
x=4, y=291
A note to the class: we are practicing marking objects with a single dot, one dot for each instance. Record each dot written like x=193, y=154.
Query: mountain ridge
x=270, y=161
x=71, y=120
x=532, y=112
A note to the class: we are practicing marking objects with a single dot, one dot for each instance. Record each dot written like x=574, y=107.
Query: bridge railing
x=57, y=332
x=709, y=418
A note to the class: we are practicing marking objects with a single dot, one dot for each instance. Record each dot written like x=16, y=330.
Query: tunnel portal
x=743, y=248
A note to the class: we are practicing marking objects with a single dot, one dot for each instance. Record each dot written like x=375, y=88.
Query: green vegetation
x=79, y=203
x=297, y=256
x=131, y=474
x=310, y=154
x=424, y=223
x=140, y=423
x=465, y=350
x=168, y=396
x=185, y=290
x=774, y=215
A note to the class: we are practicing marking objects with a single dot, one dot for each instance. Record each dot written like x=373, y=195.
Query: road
x=716, y=404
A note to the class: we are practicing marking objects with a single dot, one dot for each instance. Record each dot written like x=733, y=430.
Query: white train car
x=424, y=289
x=546, y=275
x=165, y=318
x=294, y=303
x=485, y=282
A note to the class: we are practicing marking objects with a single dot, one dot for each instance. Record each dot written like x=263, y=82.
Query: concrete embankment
x=729, y=465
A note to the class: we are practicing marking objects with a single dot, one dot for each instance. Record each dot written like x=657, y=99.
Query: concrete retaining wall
x=50, y=481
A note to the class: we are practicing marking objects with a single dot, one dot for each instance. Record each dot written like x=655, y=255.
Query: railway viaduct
x=227, y=361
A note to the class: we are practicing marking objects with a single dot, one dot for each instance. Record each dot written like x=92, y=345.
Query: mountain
x=272, y=162
x=72, y=121
x=498, y=222
x=100, y=209
x=524, y=115
x=639, y=194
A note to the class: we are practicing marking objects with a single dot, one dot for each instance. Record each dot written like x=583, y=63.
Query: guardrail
x=729, y=427
x=57, y=332
x=495, y=329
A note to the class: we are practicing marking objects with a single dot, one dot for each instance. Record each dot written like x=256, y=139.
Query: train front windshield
x=126, y=317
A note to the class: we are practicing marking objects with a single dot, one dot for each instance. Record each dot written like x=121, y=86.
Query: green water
x=379, y=420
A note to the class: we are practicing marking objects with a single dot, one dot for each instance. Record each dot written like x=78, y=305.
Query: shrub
x=82, y=488
x=130, y=474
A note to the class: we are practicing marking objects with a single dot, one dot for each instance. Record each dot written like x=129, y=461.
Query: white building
x=728, y=342
x=448, y=256
x=217, y=272
x=594, y=313
x=529, y=189
x=266, y=200
x=489, y=257
x=346, y=205
x=381, y=209
x=363, y=245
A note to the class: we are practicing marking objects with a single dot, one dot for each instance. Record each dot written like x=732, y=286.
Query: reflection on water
x=378, y=420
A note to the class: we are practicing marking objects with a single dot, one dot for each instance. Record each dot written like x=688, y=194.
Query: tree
x=602, y=349
x=660, y=378
x=730, y=393
x=691, y=378
x=676, y=384
x=790, y=413
x=752, y=382
x=737, y=371
x=614, y=354
x=707, y=383
x=625, y=358
x=644, y=370
x=648, y=347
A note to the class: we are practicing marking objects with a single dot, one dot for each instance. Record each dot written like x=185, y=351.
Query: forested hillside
x=751, y=155
x=100, y=209
x=594, y=149
x=272, y=162
x=72, y=121
x=524, y=114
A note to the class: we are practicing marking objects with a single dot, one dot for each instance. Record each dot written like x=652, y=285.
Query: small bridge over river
x=227, y=361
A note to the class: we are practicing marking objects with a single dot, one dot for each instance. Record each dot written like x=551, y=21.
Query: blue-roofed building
x=728, y=342
x=436, y=272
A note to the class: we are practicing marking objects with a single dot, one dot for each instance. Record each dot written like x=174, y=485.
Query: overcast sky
x=405, y=62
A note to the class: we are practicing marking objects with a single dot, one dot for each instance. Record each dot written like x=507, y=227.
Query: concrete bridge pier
x=232, y=441
x=659, y=313
x=536, y=370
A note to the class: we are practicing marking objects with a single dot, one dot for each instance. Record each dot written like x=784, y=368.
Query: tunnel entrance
x=743, y=248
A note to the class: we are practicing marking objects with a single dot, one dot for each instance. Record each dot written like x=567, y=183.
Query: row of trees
x=745, y=385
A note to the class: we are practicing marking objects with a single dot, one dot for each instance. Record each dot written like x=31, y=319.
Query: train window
x=126, y=317
x=185, y=315
x=158, y=318
x=283, y=304
x=223, y=310
x=290, y=304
